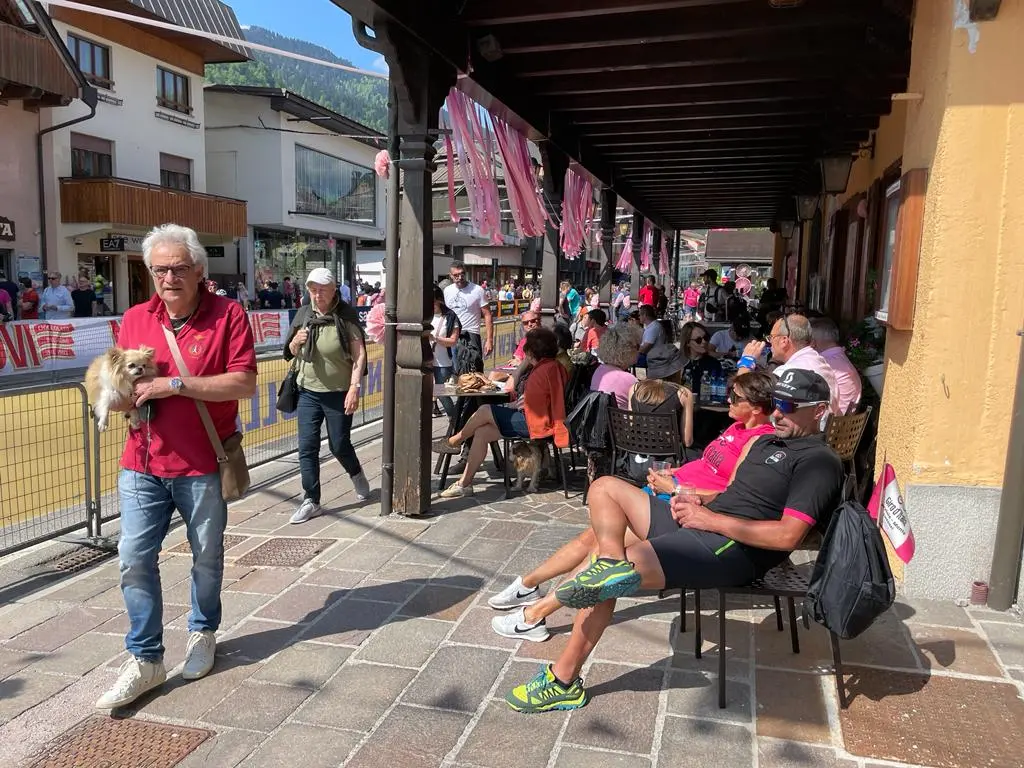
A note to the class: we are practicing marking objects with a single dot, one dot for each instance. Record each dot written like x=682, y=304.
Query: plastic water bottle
x=716, y=388
x=705, y=387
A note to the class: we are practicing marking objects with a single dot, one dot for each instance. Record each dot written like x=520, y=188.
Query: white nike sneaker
x=515, y=626
x=515, y=595
x=135, y=678
x=199, y=653
x=307, y=510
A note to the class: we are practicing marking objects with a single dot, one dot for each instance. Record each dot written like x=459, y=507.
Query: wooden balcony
x=124, y=202
x=31, y=68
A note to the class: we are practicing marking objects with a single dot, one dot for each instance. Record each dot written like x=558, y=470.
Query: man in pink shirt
x=825, y=339
x=791, y=345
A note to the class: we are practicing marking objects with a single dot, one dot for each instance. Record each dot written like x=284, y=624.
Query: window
x=892, y=209
x=91, y=157
x=335, y=188
x=93, y=59
x=175, y=172
x=172, y=91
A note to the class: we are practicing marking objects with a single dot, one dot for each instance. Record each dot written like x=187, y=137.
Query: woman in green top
x=327, y=342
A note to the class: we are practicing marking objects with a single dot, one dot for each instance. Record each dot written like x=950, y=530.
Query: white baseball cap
x=321, y=276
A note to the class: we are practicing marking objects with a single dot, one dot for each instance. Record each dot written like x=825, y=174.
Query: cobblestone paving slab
x=104, y=741
x=935, y=721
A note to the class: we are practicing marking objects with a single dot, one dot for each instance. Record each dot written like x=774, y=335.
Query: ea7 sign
x=6, y=229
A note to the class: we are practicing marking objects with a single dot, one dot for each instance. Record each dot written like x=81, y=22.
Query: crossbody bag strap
x=204, y=413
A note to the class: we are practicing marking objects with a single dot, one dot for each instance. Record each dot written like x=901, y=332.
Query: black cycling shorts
x=696, y=559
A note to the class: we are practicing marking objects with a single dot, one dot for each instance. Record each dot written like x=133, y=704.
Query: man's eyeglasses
x=179, y=271
x=457, y=276
x=531, y=322
x=735, y=397
x=54, y=277
x=788, y=406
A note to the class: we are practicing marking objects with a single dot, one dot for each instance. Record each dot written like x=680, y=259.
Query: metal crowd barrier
x=58, y=472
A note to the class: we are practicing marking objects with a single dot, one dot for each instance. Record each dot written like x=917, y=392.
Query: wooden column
x=608, y=202
x=656, y=256
x=638, y=242
x=421, y=82
x=555, y=164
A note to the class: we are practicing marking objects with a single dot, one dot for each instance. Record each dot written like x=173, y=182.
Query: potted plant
x=865, y=347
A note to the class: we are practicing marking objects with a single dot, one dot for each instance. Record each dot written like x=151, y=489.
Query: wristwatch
x=176, y=385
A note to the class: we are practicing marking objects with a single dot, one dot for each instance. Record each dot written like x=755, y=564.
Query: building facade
x=306, y=174
x=139, y=159
x=37, y=75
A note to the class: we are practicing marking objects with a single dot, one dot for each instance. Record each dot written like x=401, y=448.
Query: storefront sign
x=32, y=346
x=117, y=242
x=215, y=251
x=6, y=229
x=29, y=266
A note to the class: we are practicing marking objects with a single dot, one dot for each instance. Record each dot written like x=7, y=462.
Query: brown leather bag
x=234, y=470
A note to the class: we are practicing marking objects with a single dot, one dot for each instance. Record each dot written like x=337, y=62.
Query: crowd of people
x=721, y=518
x=63, y=297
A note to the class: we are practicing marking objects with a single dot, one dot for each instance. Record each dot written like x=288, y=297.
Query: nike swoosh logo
x=521, y=595
x=522, y=630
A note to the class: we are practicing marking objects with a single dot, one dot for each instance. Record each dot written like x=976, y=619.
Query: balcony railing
x=135, y=203
x=29, y=60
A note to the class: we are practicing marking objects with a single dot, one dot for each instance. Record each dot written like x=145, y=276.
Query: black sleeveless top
x=670, y=404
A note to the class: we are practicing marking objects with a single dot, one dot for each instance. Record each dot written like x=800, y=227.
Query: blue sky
x=317, y=21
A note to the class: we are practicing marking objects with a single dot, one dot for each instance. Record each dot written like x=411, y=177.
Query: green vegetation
x=361, y=98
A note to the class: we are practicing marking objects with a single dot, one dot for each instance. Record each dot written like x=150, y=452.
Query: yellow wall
x=949, y=383
x=888, y=148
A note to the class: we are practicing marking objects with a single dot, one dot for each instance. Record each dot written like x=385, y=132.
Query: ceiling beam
x=492, y=13
x=732, y=125
x=671, y=165
x=754, y=18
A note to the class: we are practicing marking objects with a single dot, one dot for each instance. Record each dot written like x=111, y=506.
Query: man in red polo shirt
x=168, y=462
x=648, y=294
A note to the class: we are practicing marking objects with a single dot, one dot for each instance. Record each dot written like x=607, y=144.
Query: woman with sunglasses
x=694, y=345
x=750, y=406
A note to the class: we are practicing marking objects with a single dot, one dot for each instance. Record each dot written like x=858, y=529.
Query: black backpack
x=852, y=583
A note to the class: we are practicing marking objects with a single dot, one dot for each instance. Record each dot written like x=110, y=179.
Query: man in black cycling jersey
x=788, y=482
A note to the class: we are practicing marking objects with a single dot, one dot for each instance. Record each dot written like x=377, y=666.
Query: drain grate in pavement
x=230, y=540
x=79, y=559
x=103, y=741
x=285, y=552
x=946, y=722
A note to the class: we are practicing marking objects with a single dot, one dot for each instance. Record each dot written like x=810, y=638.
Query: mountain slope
x=361, y=98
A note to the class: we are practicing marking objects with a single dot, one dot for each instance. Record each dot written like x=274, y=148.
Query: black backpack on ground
x=852, y=583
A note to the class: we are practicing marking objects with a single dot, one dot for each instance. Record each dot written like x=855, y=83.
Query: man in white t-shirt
x=468, y=302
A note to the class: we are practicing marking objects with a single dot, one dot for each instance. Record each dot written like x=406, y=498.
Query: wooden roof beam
x=490, y=13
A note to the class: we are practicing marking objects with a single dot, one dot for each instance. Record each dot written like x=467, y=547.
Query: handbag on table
x=234, y=471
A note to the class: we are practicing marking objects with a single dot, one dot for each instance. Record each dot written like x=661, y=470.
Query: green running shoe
x=544, y=693
x=605, y=579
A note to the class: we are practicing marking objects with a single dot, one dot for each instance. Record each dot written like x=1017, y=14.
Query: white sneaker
x=135, y=678
x=307, y=510
x=515, y=626
x=199, y=653
x=361, y=486
x=515, y=595
x=456, y=491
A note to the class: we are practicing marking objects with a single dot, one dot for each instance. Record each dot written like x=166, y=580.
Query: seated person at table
x=595, y=324
x=654, y=332
x=564, y=345
x=750, y=405
x=530, y=320
x=694, y=346
x=790, y=481
x=538, y=413
x=654, y=396
x=729, y=342
x=617, y=351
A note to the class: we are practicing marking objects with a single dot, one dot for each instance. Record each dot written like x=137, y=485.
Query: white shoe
x=514, y=596
x=515, y=626
x=135, y=678
x=361, y=486
x=307, y=510
x=456, y=491
x=199, y=653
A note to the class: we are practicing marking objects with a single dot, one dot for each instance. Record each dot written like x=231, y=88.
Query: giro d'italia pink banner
x=887, y=503
x=34, y=346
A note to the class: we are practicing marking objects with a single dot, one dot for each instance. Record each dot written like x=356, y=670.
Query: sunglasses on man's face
x=787, y=407
x=735, y=397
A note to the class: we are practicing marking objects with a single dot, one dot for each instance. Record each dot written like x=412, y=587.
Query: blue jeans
x=147, y=503
x=314, y=409
x=441, y=375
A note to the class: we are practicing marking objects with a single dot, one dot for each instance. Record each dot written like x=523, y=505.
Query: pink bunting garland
x=577, y=213
x=663, y=260
x=645, y=248
x=625, y=262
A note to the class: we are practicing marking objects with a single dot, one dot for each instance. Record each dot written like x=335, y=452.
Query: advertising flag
x=887, y=501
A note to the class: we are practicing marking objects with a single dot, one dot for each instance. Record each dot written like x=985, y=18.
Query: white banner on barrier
x=33, y=346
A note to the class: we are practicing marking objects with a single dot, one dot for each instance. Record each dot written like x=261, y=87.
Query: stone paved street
x=379, y=652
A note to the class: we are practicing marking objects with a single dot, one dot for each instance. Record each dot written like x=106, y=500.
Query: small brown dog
x=528, y=460
x=111, y=378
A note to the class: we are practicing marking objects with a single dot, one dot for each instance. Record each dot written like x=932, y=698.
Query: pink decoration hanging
x=375, y=323
x=625, y=262
x=645, y=248
x=382, y=163
x=524, y=196
x=663, y=258
x=577, y=213
x=471, y=144
x=453, y=211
